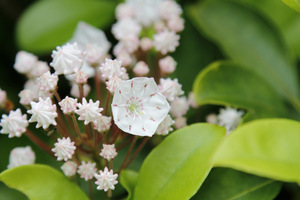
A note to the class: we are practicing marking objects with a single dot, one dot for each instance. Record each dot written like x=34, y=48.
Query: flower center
x=134, y=106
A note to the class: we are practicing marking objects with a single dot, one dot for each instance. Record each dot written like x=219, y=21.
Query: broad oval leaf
x=177, y=167
x=47, y=24
x=42, y=182
x=250, y=40
x=229, y=184
x=295, y=4
x=128, y=179
x=225, y=82
x=268, y=148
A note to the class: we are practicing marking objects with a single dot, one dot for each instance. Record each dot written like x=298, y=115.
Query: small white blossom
x=43, y=112
x=126, y=28
x=14, y=124
x=81, y=77
x=179, y=107
x=69, y=168
x=138, y=107
x=141, y=69
x=176, y=24
x=64, y=149
x=180, y=122
x=230, y=118
x=26, y=96
x=129, y=44
x=3, y=98
x=39, y=69
x=212, y=118
x=112, y=68
x=160, y=26
x=166, y=41
x=106, y=180
x=146, y=44
x=167, y=65
x=102, y=123
x=75, y=92
x=169, y=9
x=170, y=88
x=126, y=59
x=47, y=82
x=21, y=156
x=32, y=85
x=192, y=100
x=87, y=170
x=88, y=111
x=124, y=11
x=113, y=84
x=108, y=151
x=68, y=105
x=165, y=126
x=67, y=59
x=25, y=62
x=94, y=54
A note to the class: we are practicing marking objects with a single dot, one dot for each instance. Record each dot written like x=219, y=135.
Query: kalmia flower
x=108, y=151
x=106, y=180
x=75, y=90
x=176, y=24
x=169, y=9
x=21, y=156
x=43, y=112
x=14, y=124
x=170, y=88
x=39, y=69
x=230, y=118
x=69, y=168
x=113, y=84
x=165, y=126
x=102, y=123
x=25, y=62
x=87, y=170
x=180, y=122
x=192, y=100
x=2, y=98
x=138, y=107
x=126, y=28
x=81, y=77
x=47, y=82
x=141, y=68
x=124, y=11
x=88, y=111
x=68, y=105
x=167, y=65
x=26, y=96
x=146, y=44
x=179, y=107
x=212, y=118
x=166, y=41
x=112, y=68
x=94, y=54
x=64, y=149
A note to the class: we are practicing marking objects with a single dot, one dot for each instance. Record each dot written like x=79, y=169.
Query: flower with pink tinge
x=170, y=88
x=169, y=9
x=21, y=156
x=165, y=126
x=106, y=180
x=112, y=68
x=192, y=100
x=146, y=44
x=26, y=96
x=67, y=59
x=68, y=105
x=64, y=149
x=230, y=118
x=75, y=92
x=87, y=170
x=88, y=111
x=94, y=54
x=47, y=82
x=43, y=112
x=25, y=62
x=81, y=77
x=126, y=59
x=32, y=85
x=124, y=11
x=69, y=168
x=166, y=41
x=113, y=84
x=160, y=26
x=167, y=65
x=129, y=44
x=126, y=28
x=14, y=124
x=39, y=69
x=141, y=69
x=176, y=24
x=3, y=98
x=212, y=118
x=179, y=107
x=102, y=123
x=108, y=151
x=180, y=122
x=138, y=107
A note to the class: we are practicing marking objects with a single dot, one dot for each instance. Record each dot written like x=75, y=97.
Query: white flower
x=129, y=44
x=81, y=77
x=68, y=105
x=113, y=84
x=126, y=59
x=26, y=96
x=39, y=69
x=75, y=90
x=64, y=149
x=141, y=69
x=124, y=11
x=126, y=28
x=21, y=156
x=146, y=44
x=176, y=24
x=67, y=59
x=180, y=122
x=212, y=118
x=165, y=126
x=69, y=168
x=169, y=9
x=102, y=123
x=25, y=62
x=14, y=124
x=32, y=85
x=167, y=65
x=43, y=112
x=230, y=118
x=179, y=107
x=108, y=151
x=47, y=82
x=88, y=111
x=87, y=170
x=166, y=41
x=138, y=107
x=112, y=68
x=106, y=180
x=192, y=100
x=94, y=54
x=2, y=98
x=170, y=88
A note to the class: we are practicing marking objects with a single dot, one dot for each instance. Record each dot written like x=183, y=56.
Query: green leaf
x=41, y=182
x=225, y=82
x=268, y=148
x=177, y=167
x=47, y=24
x=295, y=4
x=228, y=184
x=250, y=40
x=128, y=179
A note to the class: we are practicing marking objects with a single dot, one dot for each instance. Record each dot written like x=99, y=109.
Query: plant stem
x=97, y=84
x=81, y=92
x=39, y=142
x=128, y=153
x=91, y=190
x=107, y=103
x=145, y=140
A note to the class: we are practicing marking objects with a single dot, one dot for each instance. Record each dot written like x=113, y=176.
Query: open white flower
x=14, y=124
x=106, y=180
x=138, y=107
x=21, y=156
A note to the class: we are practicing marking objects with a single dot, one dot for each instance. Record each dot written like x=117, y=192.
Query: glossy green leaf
x=47, y=24
x=228, y=184
x=128, y=179
x=177, y=167
x=250, y=40
x=295, y=4
x=42, y=182
x=226, y=83
x=268, y=148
